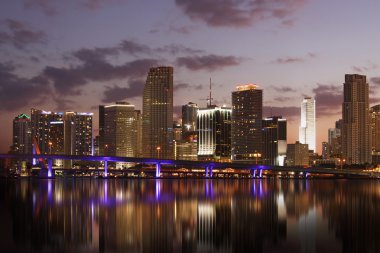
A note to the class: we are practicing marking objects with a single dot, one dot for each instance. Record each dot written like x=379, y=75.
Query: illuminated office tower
x=157, y=125
x=120, y=130
x=375, y=128
x=247, y=111
x=47, y=131
x=101, y=130
x=22, y=135
x=78, y=133
x=307, y=133
x=274, y=141
x=67, y=133
x=356, y=142
x=189, y=120
x=214, y=133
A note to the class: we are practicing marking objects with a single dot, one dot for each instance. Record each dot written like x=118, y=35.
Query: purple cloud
x=283, y=89
x=20, y=35
x=328, y=99
x=117, y=93
x=290, y=112
x=242, y=13
x=46, y=6
x=17, y=92
x=208, y=62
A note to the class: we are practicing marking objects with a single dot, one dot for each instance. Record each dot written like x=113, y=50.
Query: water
x=89, y=215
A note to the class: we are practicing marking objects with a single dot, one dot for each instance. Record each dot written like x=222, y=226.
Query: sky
x=77, y=54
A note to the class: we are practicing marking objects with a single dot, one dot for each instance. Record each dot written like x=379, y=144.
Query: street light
x=158, y=151
x=50, y=144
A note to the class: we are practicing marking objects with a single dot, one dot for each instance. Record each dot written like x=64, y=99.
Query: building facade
x=121, y=130
x=22, y=135
x=214, y=133
x=307, y=132
x=189, y=119
x=356, y=126
x=247, y=107
x=297, y=154
x=157, y=133
x=274, y=141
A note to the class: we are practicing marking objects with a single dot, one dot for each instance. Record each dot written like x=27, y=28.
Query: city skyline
x=64, y=56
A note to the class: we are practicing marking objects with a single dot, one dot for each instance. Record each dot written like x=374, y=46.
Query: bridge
x=256, y=170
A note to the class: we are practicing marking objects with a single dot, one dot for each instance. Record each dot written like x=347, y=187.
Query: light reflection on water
x=90, y=215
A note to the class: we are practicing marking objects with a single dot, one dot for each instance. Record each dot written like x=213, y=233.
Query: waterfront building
x=214, y=133
x=101, y=130
x=297, y=154
x=120, y=130
x=22, y=135
x=189, y=119
x=356, y=127
x=247, y=107
x=326, y=150
x=68, y=133
x=185, y=150
x=274, y=140
x=157, y=125
x=177, y=131
x=307, y=132
x=335, y=142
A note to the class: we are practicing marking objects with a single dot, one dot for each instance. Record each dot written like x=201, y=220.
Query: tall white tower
x=307, y=133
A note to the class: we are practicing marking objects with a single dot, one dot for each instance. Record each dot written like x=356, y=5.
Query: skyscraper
x=356, y=142
x=375, y=128
x=189, y=119
x=274, y=141
x=67, y=133
x=22, y=141
x=307, y=133
x=120, y=130
x=214, y=133
x=101, y=130
x=158, y=113
x=247, y=111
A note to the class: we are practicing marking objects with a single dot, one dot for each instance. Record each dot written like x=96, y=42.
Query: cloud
x=239, y=13
x=117, y=93
x=176, y=49
x=290, y=112
x=328, y=99
x=68, y=81
x=370, y=66
x=184, y=30
x=283, y=89
x=46, y=6
x=17, y=92
x=209, y=62
x=289, y=60
x=19, y=34
x=375, y=80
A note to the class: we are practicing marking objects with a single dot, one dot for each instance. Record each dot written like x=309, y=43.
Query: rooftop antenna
x=210, y=94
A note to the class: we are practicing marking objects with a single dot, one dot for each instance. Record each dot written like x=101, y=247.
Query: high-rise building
x=214, y=133
x=326, y=152
x=375, y=128
x=67, y=133
x=274, y=141
x=307, y=133
x=101, y=130
x=177, y=131
x=356, y=137
x=157, y=134
x=247, y=111
x=22, y=135
x=297, y=154
x=120, y=130
x=335, y=143
x=189, y=119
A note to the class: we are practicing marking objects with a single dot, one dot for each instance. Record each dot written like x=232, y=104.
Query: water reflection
x=189, y=216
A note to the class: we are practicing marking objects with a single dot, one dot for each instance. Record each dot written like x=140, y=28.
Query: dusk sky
x=76, y=54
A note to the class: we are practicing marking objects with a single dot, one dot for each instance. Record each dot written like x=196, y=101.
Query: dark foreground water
x=89, y=215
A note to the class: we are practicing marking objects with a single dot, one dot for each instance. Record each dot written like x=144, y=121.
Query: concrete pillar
x=210, y=170
x=206, y=171
x=105, y=168
x=261, y=174
x=50, y=167
x=254, y=173
x=158, y=170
